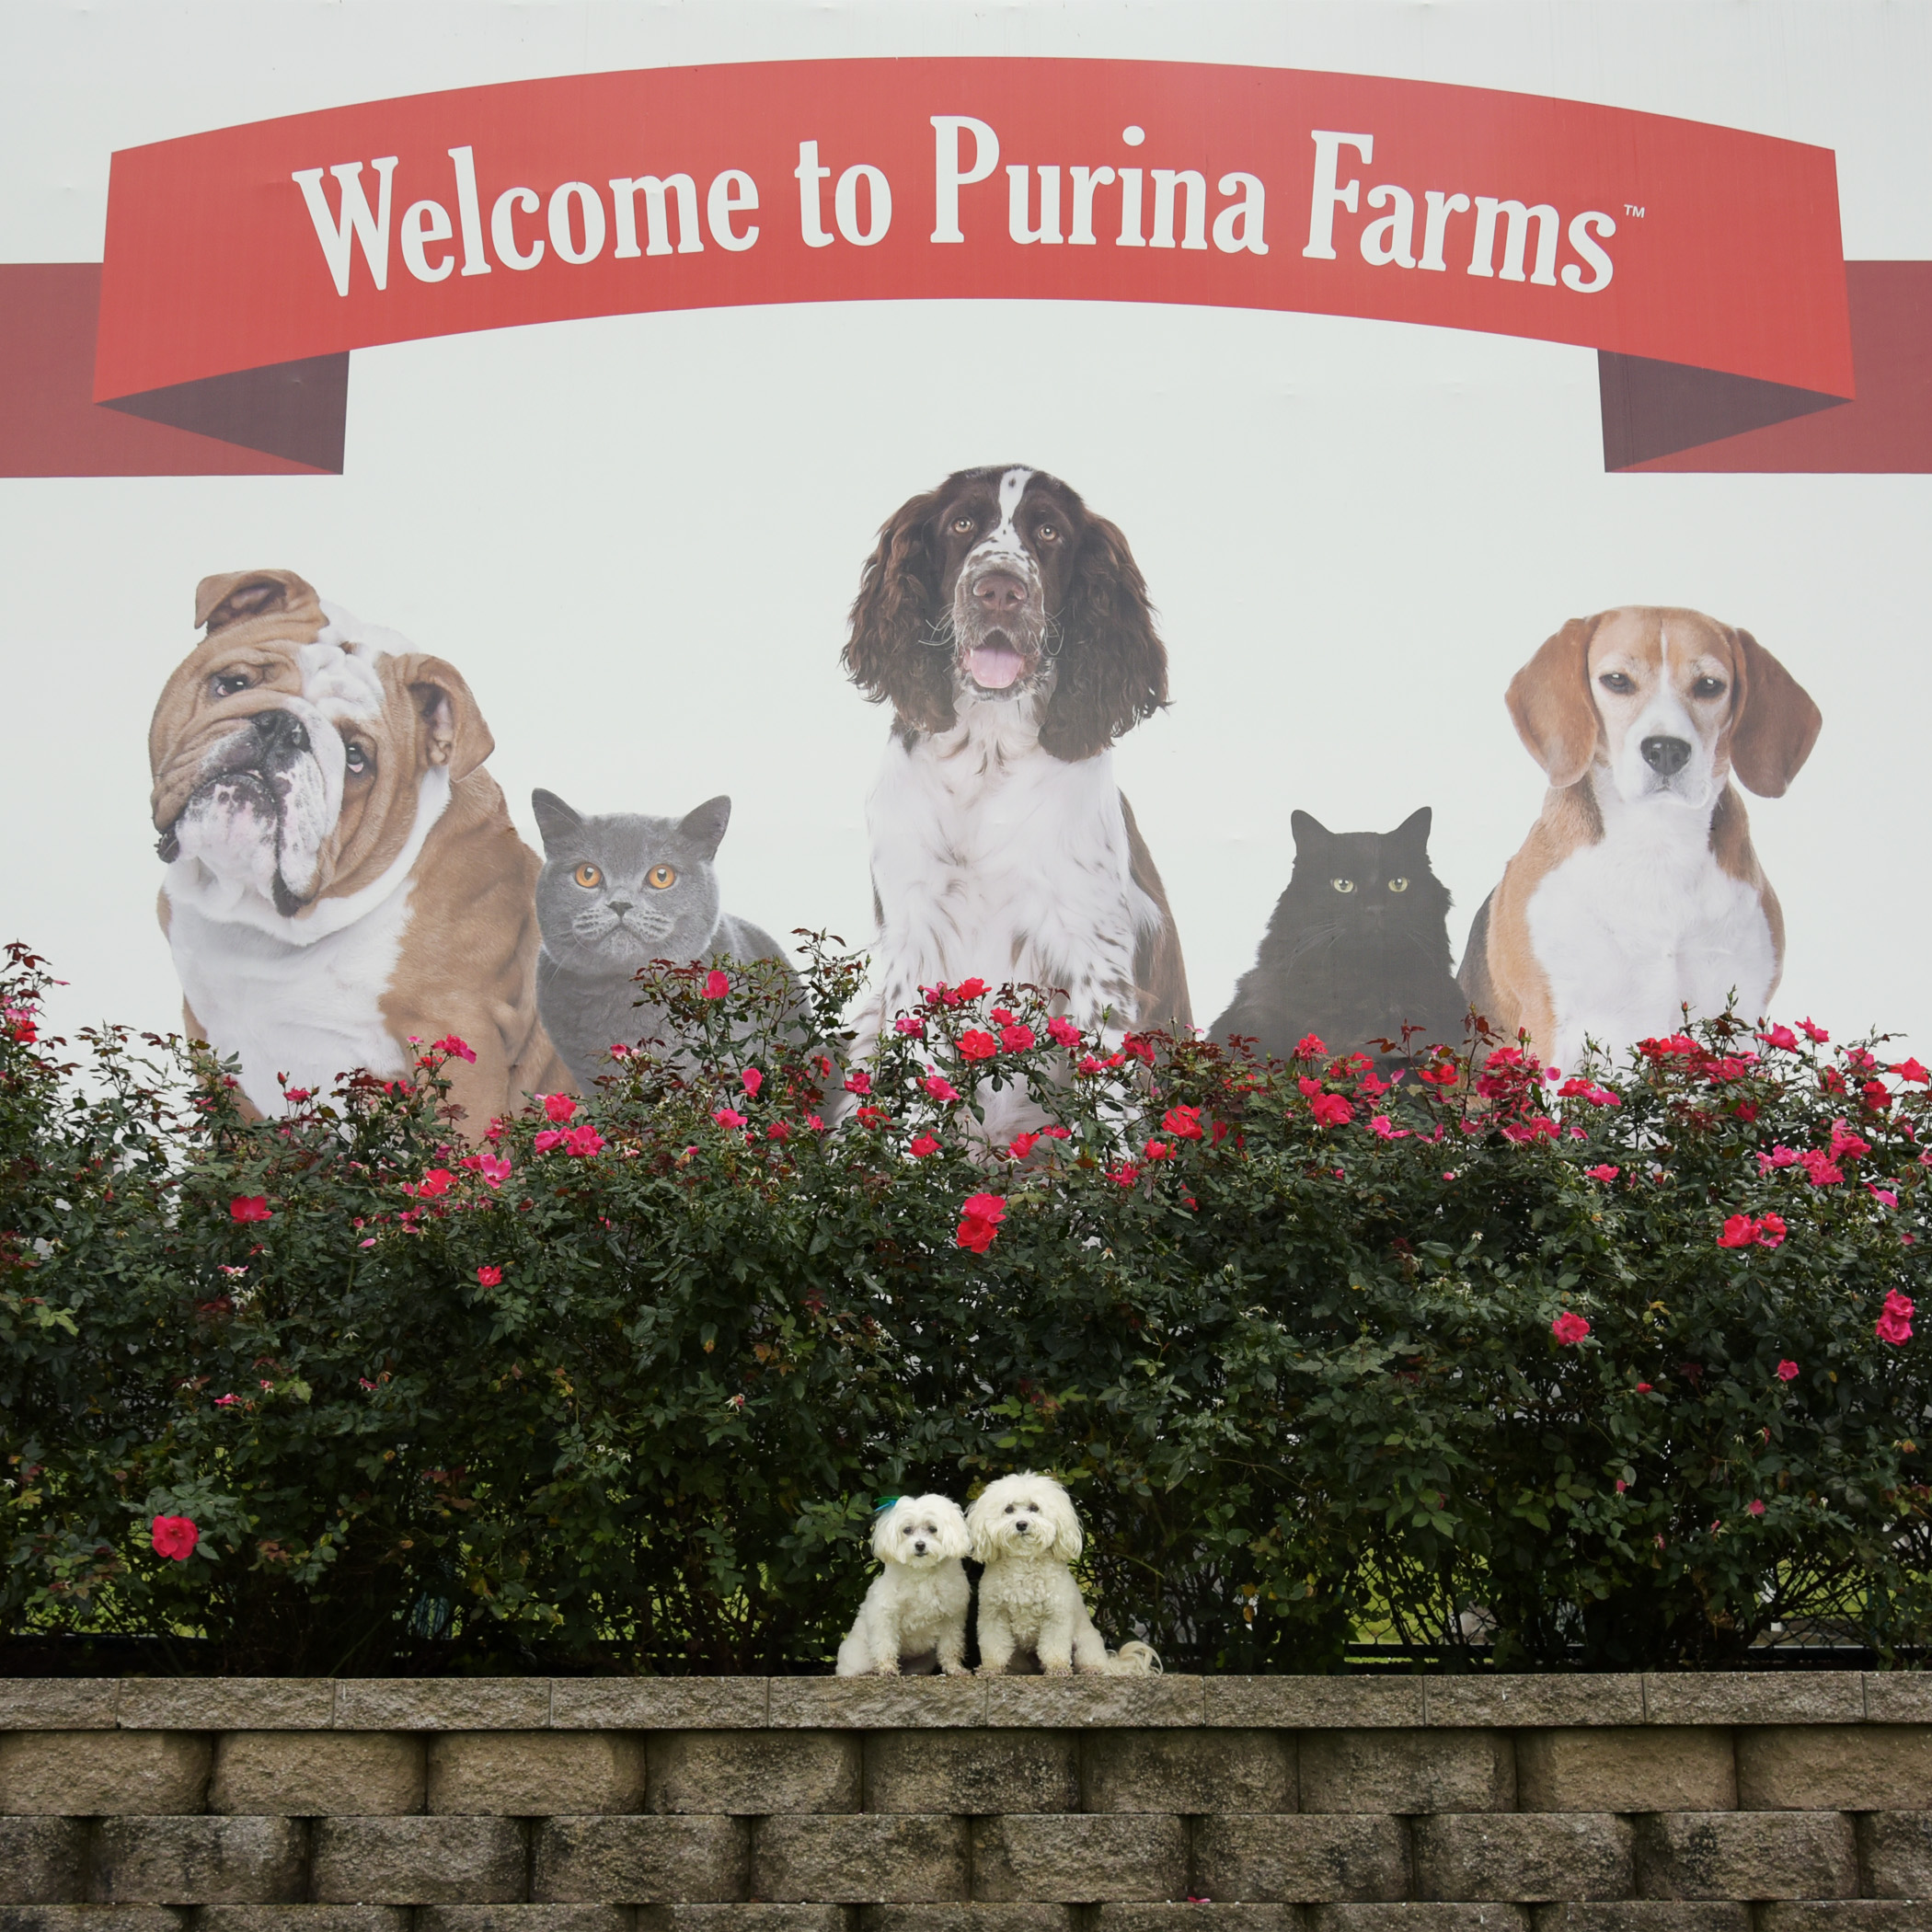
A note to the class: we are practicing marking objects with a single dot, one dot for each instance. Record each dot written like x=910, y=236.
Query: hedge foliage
x=1590, y=1373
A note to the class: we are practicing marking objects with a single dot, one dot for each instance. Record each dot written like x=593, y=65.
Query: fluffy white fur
x=915, y=1610
x=1026, y=1532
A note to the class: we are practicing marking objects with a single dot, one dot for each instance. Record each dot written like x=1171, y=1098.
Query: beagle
x=1637, y=891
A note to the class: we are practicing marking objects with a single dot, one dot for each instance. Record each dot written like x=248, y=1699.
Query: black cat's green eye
x=587, y=877
x=1398, y=885
x=659, y=877
x=1343, y=885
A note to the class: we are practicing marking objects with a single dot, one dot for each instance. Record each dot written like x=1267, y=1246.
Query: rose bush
x=1623, y=1362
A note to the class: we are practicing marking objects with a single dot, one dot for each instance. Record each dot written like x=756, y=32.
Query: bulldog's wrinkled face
x=1007, y=540
x=1662, y=683
x=289, y=747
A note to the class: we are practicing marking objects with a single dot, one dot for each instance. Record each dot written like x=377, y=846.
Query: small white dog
x=914, y=1613
x=1024, y=1531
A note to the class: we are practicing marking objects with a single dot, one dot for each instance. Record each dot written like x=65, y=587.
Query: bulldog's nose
x=280, y=732
x=999, y=595
x=1667, y=756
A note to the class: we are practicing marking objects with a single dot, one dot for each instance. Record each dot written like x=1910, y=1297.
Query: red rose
x=975, y=1045
x=248, y=1207
x=1568, y=1328
x=175, y=1537
x=489, y=1277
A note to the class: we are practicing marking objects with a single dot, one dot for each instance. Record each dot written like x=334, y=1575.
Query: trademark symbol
x=1635, y=214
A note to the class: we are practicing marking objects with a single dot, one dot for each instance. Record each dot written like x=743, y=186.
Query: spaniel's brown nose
x=999, y=595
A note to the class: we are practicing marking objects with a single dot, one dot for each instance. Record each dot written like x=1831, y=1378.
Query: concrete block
x=1416, y=1917
x=1754, y=1697
x=313, y=1774
x=1634, y=1767
x=1302, y=1858
x=1130, y=1703
x=524, y=1918
x=1639, y=1916
x=93, y=1918
x=876, y=1703
x=640, y=1860
x=1189, y=1916
x=659, y=1703
x=972, y=1771
x=44, y=1861
x=443, y=1704
x=753, y=1772
x=1523, y=1858
x=1519, y=1702
x=197, y=1861
x=523, y=1774
x=1839, y=1768
x=1408, y=1771
x=1842, y=1916
x=747, y=1918
x=1072, y=1859
x=58, y=1703
x=1314, y=1703
x=301, y=1918
x=1898, y=1697
x=225, y=1704
x=418, y=1861
x=957, y=1917
x=859, y=1860
x=1185, y=1771
x=89, y=1773
x=1895, y=1853
x=1746, y=1854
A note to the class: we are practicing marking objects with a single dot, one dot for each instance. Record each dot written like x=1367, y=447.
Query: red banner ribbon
x=288, y=243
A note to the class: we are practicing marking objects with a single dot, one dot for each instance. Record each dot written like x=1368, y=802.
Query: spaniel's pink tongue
x=995, y=666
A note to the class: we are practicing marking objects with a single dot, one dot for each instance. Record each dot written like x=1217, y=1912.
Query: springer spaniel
x=1010, y=629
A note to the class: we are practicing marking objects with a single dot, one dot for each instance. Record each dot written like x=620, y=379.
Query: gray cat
x=614, y=894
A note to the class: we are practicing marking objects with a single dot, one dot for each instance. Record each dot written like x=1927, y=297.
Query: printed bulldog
x=343, y=874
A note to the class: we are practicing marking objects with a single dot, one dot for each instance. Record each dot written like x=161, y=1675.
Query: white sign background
x=638, y=538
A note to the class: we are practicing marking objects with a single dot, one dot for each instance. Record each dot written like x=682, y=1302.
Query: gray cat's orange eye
x=659, y=877
x=1343, y=885
x=587, y=877
x=1398, y=885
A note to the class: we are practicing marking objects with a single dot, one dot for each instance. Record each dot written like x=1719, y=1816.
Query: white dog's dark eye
x=226, y=683
x=906, y=1531
x=1616, y=681
x=1009, y=1509
x=1708, y=688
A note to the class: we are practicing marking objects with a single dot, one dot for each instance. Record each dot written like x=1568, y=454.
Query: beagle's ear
x=1774, y=722
x=237, y=594
x=891, y=652
x=454, y=732
x=1551, y=705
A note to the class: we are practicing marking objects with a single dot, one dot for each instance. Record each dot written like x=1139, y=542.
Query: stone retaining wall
x=1724, y=1803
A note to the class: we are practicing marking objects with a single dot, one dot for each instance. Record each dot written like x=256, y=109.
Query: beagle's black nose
x=1667, y=756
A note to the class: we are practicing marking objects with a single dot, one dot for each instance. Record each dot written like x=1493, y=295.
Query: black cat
x=1358, y=946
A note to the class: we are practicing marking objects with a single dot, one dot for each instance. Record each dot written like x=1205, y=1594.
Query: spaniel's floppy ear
x=1551, y=705
x=1069, y=1539
x=891, y=652
x=1113, y=667
x=454, y=732
x=1774, y=722
x=235, y=595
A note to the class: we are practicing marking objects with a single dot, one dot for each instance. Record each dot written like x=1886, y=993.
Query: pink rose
x=1568, y=1328
x=716, y=984
x=489, y=1277
x=175, y=1537
x=247, y=1207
